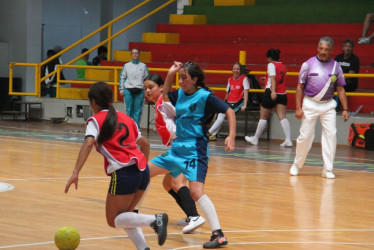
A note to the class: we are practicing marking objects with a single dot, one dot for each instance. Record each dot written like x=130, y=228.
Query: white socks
x=263, y=123
x=133, y=220
x=137, y=237
x=286, y=128
x=207, y=206
x=217, y=124
x=260, y=128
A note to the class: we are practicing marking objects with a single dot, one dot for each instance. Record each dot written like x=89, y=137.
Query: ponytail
x=102, y=93
x=109, y=126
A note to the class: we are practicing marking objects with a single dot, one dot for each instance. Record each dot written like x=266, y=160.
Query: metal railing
x=117, y=69
x=110, y=37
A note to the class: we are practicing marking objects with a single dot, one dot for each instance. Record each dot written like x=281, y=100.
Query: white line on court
x=237, y=243
x=282, y=242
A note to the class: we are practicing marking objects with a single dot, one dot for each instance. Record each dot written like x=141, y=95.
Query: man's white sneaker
x=364, y=40
x=251, y=139
x=194, y=223
x=183, y=222
x=328, y=174
x=294, y=170
x=287, y=143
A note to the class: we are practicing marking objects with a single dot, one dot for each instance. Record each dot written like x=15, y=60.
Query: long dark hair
x=102, y=93
x=194, y=70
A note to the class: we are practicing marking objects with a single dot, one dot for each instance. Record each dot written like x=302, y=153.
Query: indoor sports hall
x=260, y=206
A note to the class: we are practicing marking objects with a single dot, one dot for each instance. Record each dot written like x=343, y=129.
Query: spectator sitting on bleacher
x=102, y=52
x=83, y=61
x=236, y=97
x=350, y=64
x=368, y=20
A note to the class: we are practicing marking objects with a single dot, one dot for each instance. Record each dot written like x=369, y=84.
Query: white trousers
x=327, y=115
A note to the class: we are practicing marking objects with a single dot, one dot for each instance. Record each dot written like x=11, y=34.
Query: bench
x=246, y=123
x=26, y=110
x=15, y=113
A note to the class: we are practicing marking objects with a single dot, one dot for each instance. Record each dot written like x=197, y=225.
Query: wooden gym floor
x=259, y=205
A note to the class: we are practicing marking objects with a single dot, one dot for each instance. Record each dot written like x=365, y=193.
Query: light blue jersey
x=189, y=153
x=190, y=113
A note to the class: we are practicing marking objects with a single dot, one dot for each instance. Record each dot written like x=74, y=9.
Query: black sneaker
x=160, y=227
x=216, y=241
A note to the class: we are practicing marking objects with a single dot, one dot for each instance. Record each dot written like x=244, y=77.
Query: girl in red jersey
x=116, y=137
x=236, y=97
x=275, y=97
x=165, y=126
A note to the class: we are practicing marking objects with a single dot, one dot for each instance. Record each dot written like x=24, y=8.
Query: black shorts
x=128, y=180
x=269, y=103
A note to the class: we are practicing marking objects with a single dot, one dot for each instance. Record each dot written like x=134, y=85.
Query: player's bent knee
x=167, y=182
x=196, y=194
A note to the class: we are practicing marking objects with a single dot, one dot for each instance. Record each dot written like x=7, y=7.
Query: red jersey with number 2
x=121, y=148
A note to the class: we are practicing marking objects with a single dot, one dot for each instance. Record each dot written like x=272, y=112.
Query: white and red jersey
x=236, y=88
x=164, y=121
x=120, y=150
x=278, y=70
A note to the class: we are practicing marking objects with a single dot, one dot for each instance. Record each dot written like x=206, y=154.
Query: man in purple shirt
x=317, y=80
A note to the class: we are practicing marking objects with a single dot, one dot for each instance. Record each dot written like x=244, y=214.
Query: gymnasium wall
x=22, y=24
x=285, y=11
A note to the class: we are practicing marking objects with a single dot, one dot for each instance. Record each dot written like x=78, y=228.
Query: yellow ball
x=67, y=238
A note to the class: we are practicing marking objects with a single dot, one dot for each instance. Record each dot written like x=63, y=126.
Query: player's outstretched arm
x=230, y=140
x=82, y=157
x=169, y=80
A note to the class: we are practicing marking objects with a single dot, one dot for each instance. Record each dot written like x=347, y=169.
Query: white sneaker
x=183, y=222
x=328, y=174
x=251, y=139
x=195, y=222
x=364, y=40
x=287, y=143
x=294, y=170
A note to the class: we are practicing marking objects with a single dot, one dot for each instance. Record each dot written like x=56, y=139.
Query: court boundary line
x=230, y=231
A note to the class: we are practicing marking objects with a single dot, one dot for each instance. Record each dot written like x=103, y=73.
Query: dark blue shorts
x=128, y=180
x=236, y=106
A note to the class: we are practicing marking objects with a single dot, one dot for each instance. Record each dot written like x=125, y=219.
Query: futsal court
x=260, y=206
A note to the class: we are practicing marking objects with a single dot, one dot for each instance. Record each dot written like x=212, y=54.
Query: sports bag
x=356, y=135
x=369, y=137
x=254, y=98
